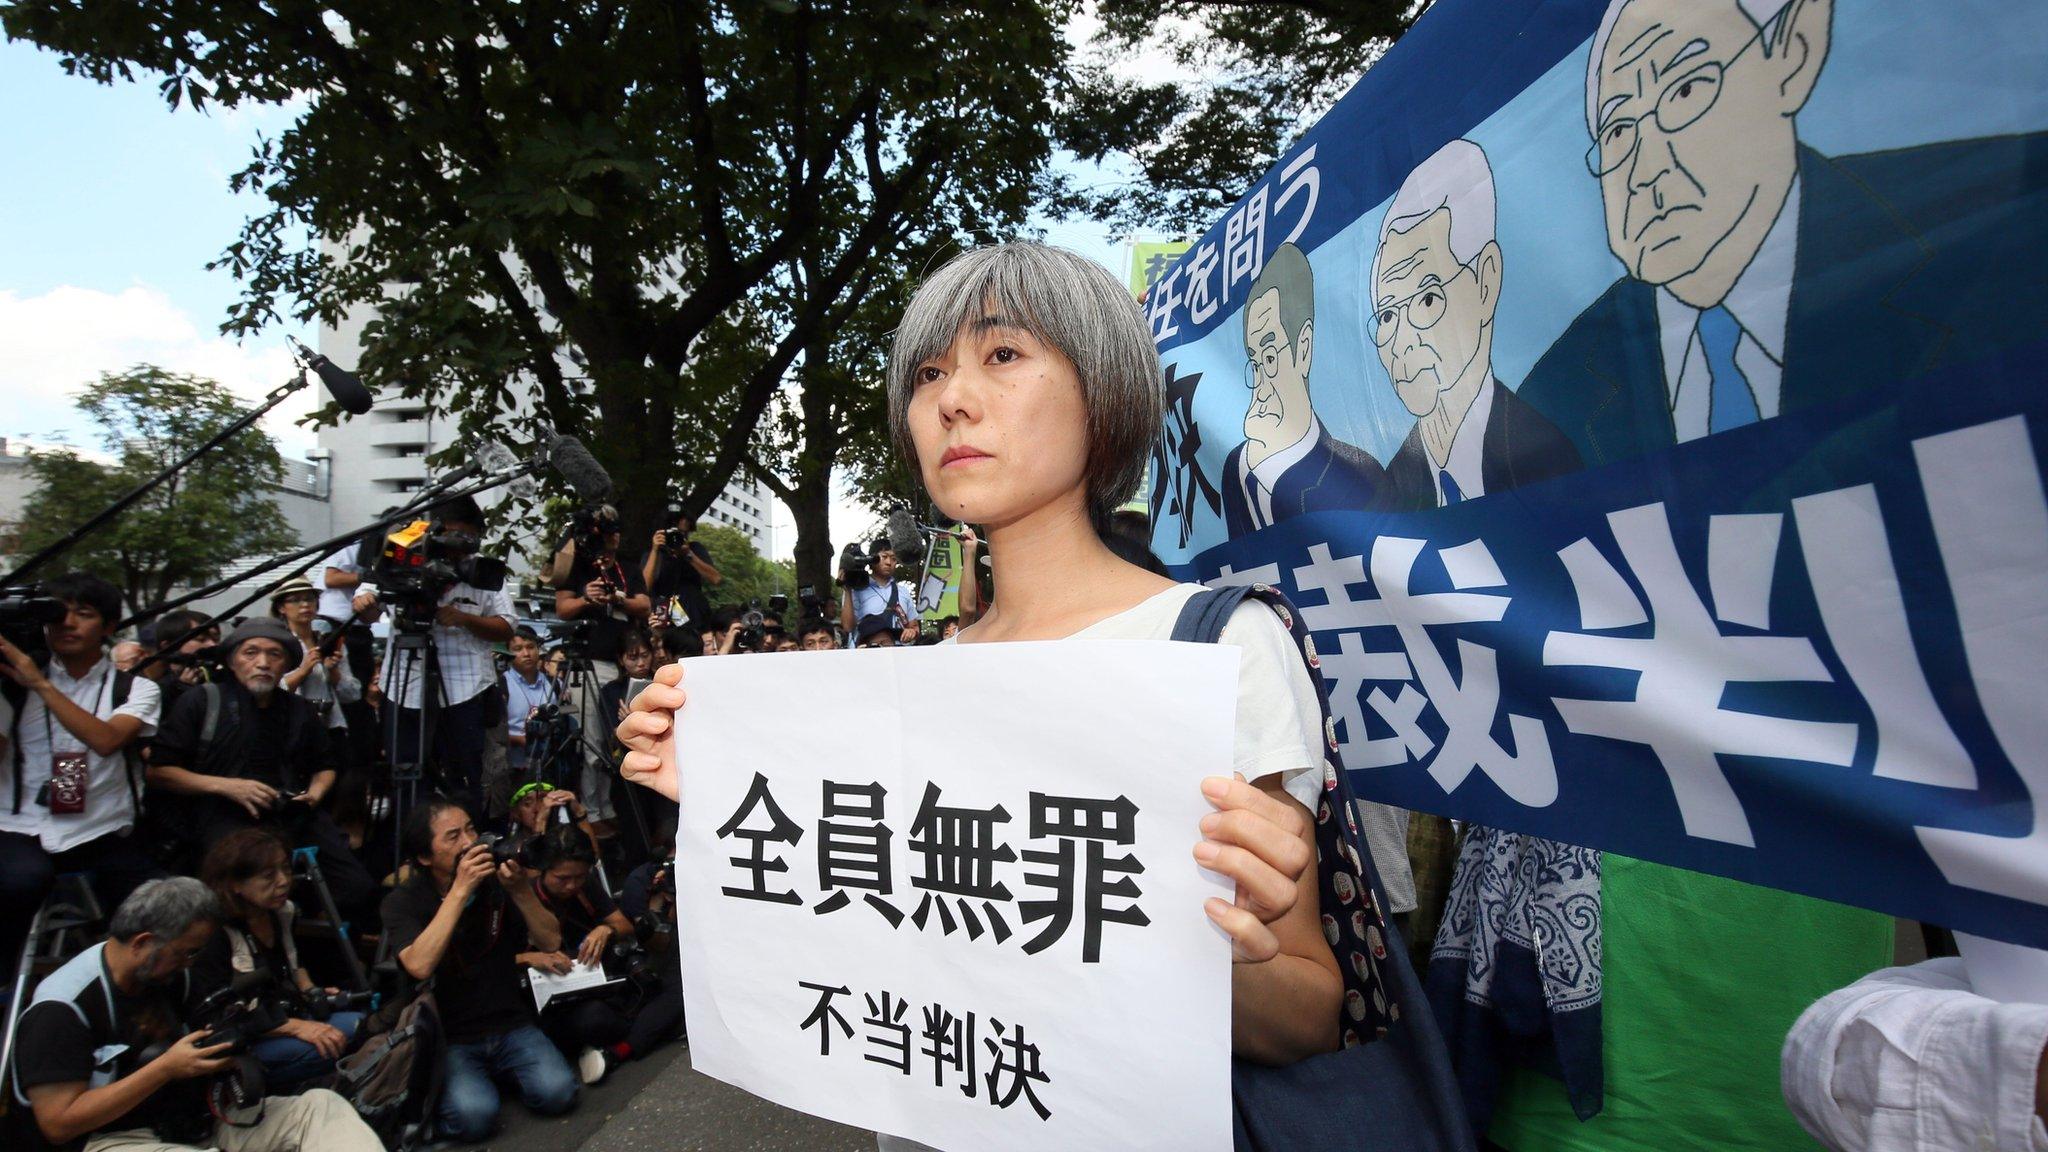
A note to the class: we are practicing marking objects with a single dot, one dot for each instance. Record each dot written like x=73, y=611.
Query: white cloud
x=55, y=344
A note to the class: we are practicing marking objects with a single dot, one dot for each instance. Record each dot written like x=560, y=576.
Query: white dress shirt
x=1911, y=1060
x=109, y=800
x=1467, y=464
x=1759, y=301
x=468, y=662
x=1258, y=482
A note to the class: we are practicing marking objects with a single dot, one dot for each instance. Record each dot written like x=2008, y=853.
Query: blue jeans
x=289, y=1062
x=469, y=1096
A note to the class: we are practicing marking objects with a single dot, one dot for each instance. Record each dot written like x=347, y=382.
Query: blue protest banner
x=1643, y=404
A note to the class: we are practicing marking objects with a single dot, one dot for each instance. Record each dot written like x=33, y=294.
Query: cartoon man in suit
x=1763, y=277
x=1288, y=464
x=1436, y=280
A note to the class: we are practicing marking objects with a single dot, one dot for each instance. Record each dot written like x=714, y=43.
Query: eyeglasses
x=1265, y=362
x=1421, y=308
x=1683, y=101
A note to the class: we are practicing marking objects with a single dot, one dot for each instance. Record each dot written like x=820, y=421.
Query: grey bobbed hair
x=1070, y=303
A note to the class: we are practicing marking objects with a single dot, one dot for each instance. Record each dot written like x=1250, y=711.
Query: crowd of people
x=449, y=804
x=293, y=816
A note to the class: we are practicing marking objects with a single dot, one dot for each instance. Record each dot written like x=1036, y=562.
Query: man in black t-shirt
x=245, y=753
x=681, y=577
x=103, y=1059
x=627, y=1021
x=457, y=924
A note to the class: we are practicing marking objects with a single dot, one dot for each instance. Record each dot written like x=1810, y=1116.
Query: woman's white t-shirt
x=1279, y=728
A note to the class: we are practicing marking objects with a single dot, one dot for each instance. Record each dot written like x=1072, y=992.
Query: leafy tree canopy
x=750, y=578
x=188, y=529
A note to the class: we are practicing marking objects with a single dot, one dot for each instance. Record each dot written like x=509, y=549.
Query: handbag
x=1390, y=1086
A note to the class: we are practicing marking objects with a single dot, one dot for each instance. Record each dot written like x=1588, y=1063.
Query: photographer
x=467, y=622
x=636, y=662
x=70, y=780
x=676, y=571
x=325, y=680
x=462, y=920
x=815, y=635
x=85, y=1064
x=869, y=587
x=250, y=873
x=244, y=753
x=627, y=1022
x=612, y=597
x=174, y=671
x=527, y=690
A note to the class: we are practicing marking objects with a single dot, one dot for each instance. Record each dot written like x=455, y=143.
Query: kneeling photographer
x=250, y=873
x=244, y=753
x=461, y=921
x=104, y=1057
x=621, y=1022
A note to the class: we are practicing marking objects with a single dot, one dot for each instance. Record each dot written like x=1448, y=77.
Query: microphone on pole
x=341, y=383
x=493, y=457
x=574, y=463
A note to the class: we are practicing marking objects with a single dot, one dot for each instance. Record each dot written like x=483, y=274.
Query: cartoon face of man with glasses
x=1435, y=284
x=1279, y=343
x=1690, y=104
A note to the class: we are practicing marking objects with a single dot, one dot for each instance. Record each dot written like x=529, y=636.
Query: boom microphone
x=495, y=457
x=341, y=384
x=574, y=463
x=904, y=537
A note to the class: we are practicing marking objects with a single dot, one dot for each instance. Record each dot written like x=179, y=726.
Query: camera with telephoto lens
x=416, y=565
x=628, y=958
x=753, y=629
x=23, y=613
x=524, y=851
x=675, y=543
x=249, y=1008
x=813, y=604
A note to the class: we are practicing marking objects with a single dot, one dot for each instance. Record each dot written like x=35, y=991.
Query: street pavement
x=661, y=1105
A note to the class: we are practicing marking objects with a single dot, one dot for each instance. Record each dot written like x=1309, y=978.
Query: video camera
x=589, y=526
x=23, y=613
x=416, y=565
x=854, y=563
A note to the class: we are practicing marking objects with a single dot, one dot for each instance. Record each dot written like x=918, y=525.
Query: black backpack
x=394, y=1078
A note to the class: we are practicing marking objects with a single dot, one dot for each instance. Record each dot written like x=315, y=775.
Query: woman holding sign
x=1024, y=387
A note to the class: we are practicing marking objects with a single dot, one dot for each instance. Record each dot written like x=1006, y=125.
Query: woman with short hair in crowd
x=1024, y=389
x=251, y=871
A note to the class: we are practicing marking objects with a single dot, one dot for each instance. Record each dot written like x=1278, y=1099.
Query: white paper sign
x=1026, y=965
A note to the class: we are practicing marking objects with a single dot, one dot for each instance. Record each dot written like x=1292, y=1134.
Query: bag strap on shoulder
x=1203, y=617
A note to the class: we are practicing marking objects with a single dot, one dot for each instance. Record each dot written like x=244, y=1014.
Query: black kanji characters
x=1097, y=822
x=887, y=1031
x=949, y=1041
x=1018, y=1061
x=855, y=855
x=781, y=829
x=824, y=1015
x=958, y=853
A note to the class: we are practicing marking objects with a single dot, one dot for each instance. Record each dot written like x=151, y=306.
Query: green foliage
x=1267, y=70
x=186, y=530
x=749, y=576
x=643, y=220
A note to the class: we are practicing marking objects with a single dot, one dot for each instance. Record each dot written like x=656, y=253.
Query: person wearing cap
x=245, y=753
x=326, y=681
x=878, y=631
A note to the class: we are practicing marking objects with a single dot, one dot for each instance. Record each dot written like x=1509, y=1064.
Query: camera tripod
x=581, y=685
x=411, y=652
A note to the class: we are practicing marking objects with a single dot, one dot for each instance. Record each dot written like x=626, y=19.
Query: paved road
x=660, y=1105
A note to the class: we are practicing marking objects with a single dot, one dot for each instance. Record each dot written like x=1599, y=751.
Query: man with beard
x=244, y=754
x=85, y=1067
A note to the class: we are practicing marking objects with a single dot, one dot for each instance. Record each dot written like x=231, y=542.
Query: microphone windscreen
x=903, y=534
x=495, y=457
x=343, y=386
x=574, y=463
